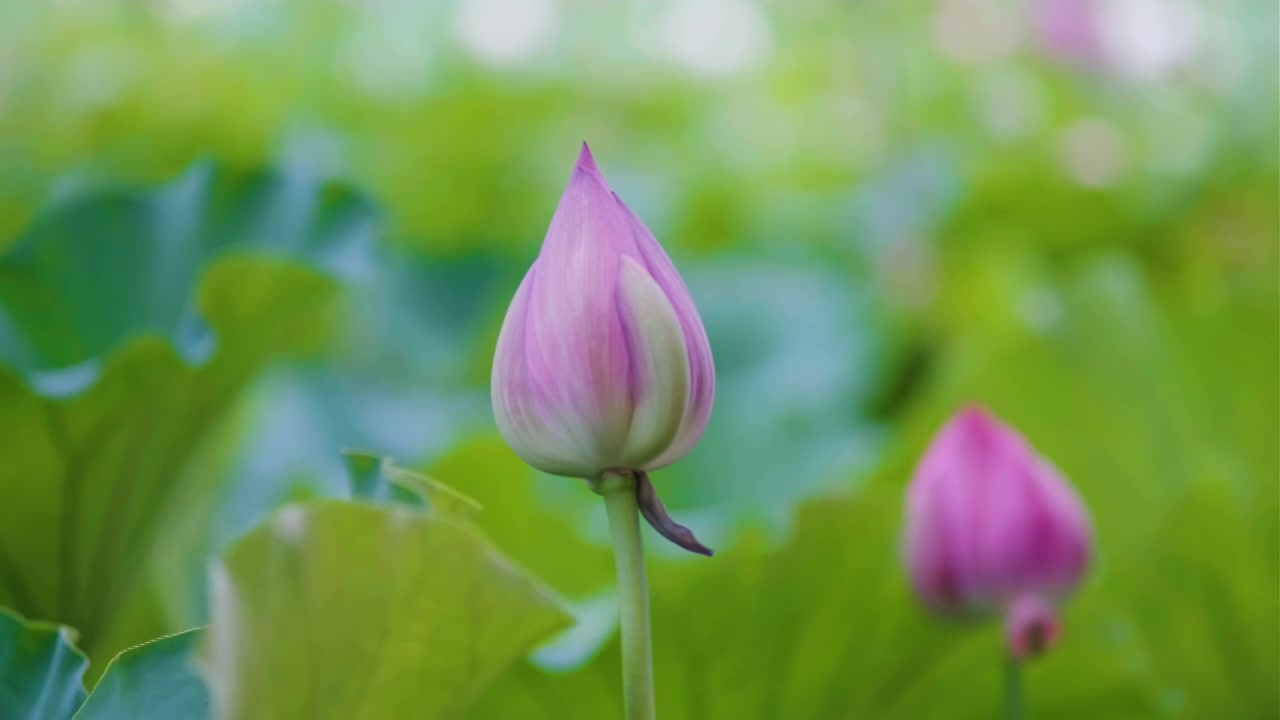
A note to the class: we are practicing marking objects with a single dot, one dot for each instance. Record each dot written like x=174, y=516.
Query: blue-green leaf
x=40, y=669
x=153, y=681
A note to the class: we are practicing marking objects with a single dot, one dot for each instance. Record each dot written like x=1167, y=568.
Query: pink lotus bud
x=1069, y=30
x=602, y=363
x=993, y=527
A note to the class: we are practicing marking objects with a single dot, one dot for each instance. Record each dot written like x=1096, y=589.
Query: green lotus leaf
x=153, y=681
x=129, y=323
x=350, y=609
x=40, y=669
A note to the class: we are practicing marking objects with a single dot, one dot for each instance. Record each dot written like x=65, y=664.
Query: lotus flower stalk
x=603, y=372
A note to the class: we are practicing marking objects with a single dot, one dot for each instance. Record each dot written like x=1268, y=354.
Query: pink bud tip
x=989, y=521
x=586, y=161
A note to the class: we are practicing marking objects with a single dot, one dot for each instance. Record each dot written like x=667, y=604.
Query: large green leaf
x=826, y=628
x=100, y=270
x=153, y=681
x=128, y=330
x=40, y=670
x=354, y=610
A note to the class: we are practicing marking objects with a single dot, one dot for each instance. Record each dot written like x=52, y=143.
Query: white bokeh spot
x=505, y=32
x=716, y=38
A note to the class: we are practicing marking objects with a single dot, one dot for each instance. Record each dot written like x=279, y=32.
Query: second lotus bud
x=993, y=527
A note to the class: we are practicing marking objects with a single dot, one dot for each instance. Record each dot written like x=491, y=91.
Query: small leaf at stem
x=654, y=512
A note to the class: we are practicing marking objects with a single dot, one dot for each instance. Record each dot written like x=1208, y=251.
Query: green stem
x=633, y=595
x=1013, y=707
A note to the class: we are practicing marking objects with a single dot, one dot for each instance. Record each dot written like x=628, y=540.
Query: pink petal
x=576, y=347
x=702, y=373
x=659, y=366
x=530, y=422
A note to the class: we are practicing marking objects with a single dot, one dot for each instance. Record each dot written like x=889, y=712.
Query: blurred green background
x=238, y=236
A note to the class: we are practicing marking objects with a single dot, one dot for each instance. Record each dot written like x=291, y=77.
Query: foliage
x=100, y=445
x=305, y=624
x=40, y=669
x=152, y=680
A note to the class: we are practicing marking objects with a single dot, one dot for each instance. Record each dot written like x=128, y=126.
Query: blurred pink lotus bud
x=1136, y=39
x=602, y=362
x=993, y=527
x=1069, y=31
